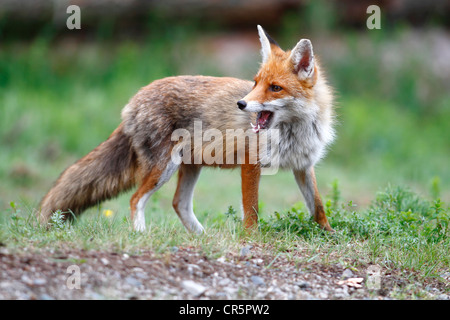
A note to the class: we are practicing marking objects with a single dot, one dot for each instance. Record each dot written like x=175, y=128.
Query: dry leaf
x=352, y=282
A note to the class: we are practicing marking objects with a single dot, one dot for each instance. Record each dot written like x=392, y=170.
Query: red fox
x=289, y=94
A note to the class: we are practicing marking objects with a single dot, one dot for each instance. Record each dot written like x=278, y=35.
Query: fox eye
x=275, y=88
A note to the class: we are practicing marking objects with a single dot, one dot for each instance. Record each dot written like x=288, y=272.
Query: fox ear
x=266, y=44
x=302, y=57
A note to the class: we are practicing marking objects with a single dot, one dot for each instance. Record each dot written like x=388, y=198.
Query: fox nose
x=241, y=104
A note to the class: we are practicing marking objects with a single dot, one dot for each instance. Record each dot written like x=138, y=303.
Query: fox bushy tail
x=102, y=174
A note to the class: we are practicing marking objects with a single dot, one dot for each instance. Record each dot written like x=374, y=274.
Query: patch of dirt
x=186, y=273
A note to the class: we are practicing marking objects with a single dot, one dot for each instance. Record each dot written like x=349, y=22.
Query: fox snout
x=242, y=104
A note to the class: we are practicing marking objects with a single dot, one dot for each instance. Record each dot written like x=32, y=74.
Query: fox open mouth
x=263, y=120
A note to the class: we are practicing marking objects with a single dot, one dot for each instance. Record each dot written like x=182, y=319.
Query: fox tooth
x=255, y=128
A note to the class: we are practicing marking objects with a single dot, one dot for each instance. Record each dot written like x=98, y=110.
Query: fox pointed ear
x=302, y=57
x=266, y=44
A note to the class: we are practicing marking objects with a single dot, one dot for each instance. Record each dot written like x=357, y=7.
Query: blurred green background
x=61, y=91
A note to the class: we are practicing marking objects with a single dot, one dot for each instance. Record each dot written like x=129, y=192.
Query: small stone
x=26, y=279
x=141, y=275
x=245, y=251
x=39, y=282
x=322, y=295
x=340, y=293
x=193, y=288
x=132, y=281
x=231, y=291
x=222, y=295
x=304, y=295
x=257, y=280
x=347, y=274
x=303, y=284
x=195, y=270
x=96, y=296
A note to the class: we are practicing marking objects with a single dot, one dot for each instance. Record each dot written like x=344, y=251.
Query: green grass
x=399, y=231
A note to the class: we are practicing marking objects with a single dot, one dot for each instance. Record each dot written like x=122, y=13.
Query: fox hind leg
x=182, y=201
x=157, y=176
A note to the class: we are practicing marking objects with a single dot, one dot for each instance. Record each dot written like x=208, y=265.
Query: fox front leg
x=250, y=176
x=306, y=180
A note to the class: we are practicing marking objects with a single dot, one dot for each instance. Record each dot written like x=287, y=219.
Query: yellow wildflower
x=108, y=213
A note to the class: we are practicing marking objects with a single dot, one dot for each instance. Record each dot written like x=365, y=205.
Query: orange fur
x=148, y=183
x=278, y=70
x=250, y=175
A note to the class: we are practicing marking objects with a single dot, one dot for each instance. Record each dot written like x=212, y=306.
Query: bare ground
x=186, y=273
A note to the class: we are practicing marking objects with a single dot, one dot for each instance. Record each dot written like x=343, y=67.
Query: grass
x=399, y=231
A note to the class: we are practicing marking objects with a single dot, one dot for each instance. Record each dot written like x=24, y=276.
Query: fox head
x=286, y=86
